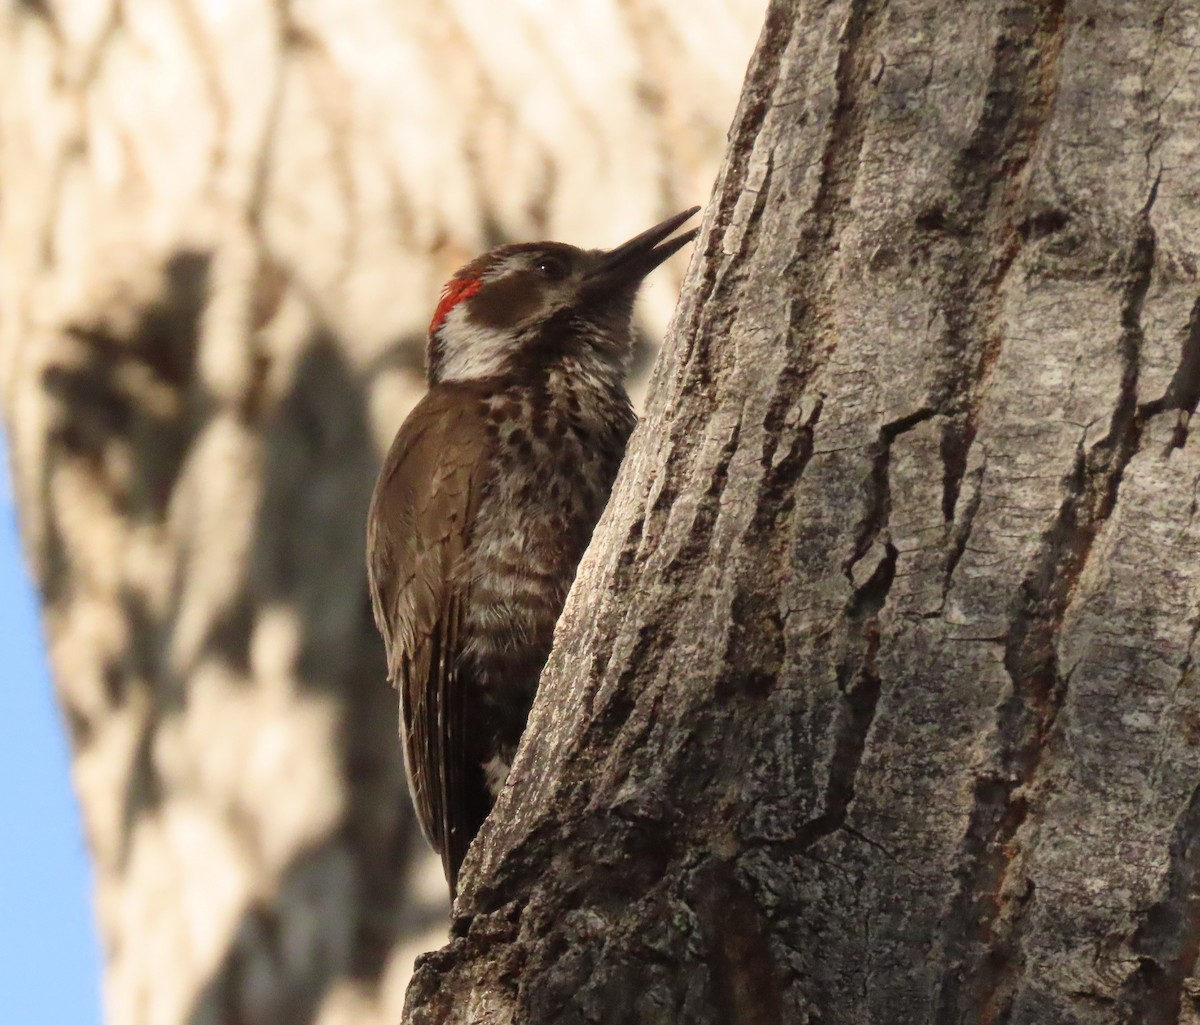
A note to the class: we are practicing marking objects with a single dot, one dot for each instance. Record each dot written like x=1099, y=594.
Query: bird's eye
x=553, y=267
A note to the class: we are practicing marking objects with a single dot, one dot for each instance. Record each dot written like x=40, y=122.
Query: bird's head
x=523, y=307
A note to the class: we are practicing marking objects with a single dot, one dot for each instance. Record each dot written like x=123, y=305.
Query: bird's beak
x=633, y=260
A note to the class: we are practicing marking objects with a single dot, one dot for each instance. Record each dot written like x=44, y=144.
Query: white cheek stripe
x=471, y=352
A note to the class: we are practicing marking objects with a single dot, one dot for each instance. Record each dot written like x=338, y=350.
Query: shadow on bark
x=319, y=468
x=134, y=399
x=99, y=405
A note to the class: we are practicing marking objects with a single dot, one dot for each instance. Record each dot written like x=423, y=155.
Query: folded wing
x=418, y=530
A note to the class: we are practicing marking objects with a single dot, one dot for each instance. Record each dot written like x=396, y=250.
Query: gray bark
x=874, y=700
x=223, y=227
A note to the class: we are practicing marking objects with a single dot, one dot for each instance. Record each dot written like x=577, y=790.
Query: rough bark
x=874, y=700
x=222, y=230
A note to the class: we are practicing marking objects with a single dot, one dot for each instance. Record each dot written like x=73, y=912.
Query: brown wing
x=420, y=518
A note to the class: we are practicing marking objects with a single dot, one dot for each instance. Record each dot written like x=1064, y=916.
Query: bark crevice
x=1167, y=940
x=989, y=185
x=984, y=940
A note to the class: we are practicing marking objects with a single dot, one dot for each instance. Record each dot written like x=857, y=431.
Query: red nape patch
x=456, y=290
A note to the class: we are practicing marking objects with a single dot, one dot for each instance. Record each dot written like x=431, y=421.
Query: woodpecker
x=488, y=498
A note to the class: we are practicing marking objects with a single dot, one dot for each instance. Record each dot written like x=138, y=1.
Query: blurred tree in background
x=223, y=226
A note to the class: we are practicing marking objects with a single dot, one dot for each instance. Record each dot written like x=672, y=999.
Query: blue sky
x=49, y=955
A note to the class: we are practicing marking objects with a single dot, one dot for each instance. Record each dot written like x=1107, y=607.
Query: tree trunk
x=874, y=700
x=223, y=227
